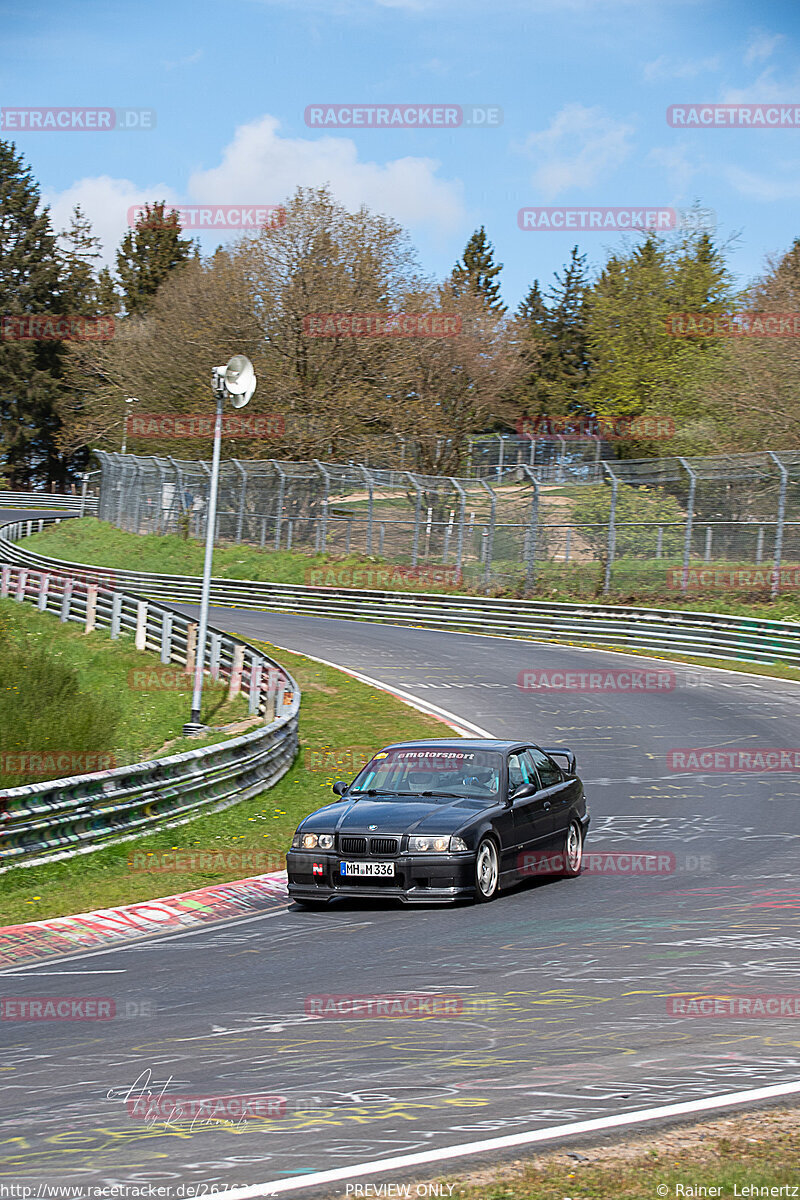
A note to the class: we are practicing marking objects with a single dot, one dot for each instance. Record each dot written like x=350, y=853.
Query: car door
x=532, y=821
x=558, y=791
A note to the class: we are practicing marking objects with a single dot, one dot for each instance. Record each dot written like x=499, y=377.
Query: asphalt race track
x=564, y=985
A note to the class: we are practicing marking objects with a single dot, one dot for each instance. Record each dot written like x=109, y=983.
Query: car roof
x=460, y=744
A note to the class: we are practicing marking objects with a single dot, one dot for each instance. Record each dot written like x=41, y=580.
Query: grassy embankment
x=95, y=542
x=248, y=839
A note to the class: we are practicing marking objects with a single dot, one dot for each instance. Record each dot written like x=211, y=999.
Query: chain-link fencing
x=578, y=525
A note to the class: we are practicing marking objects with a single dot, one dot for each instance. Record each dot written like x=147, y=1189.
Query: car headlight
x=435, y=845
x=310, y=841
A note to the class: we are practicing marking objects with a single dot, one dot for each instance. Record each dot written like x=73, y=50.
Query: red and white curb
x=40, y=941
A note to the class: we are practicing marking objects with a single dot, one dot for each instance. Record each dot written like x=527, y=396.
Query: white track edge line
x=642, y=1116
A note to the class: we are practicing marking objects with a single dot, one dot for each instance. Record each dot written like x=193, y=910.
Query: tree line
x=595, y=346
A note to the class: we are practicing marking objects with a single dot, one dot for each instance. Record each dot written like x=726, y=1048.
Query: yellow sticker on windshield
x=381, y=755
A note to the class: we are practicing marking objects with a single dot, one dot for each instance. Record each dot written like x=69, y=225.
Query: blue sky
x=583, y=84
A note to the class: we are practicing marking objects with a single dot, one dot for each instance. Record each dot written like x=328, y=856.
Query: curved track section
x=566, y=989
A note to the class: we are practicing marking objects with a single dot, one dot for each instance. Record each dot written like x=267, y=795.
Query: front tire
x=572, y=850
x=487, y=871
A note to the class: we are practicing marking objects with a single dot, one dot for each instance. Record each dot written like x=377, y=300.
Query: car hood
x=413, y=814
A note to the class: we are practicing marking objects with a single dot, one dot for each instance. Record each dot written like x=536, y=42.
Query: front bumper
x=418, y=878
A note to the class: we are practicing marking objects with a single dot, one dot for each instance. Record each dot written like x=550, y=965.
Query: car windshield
x=432, y=770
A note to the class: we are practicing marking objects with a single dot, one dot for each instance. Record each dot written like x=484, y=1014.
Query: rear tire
x=487, y=871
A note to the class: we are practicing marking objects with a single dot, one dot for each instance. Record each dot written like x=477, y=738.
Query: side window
x=517, y=772
x=547, y=770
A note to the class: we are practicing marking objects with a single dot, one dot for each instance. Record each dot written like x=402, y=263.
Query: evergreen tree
x=555, y=343
x=147, y=255
x=29, y=370
x=79, y=253
x=476, y=272
x=108, y=298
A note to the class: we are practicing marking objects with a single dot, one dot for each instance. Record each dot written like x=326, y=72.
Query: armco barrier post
x=166, y=636
x=5, y=576
x=141, y=624
x=255, y=685
x=191, y=647
x=116, y=614
x=237, y=670
x=44, y=585
x=22, y=579
x=91, y=608
x=66, y=599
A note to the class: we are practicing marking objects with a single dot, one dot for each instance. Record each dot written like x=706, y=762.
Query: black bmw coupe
x=443, y=820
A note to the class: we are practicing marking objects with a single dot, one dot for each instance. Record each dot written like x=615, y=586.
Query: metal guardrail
x=703, y=635
x=63, y=817
x=82, y=504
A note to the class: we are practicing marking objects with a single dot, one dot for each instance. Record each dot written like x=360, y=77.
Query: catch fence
x=587, y=526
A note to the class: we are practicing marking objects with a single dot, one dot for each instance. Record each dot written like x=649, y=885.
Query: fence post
x=91, y=608
x=533, y=529
x=489, y=544
x=44, y=585
x=237, y=670
x=116, y=614
x=22, y=579
x=141, y=624
x=462, y=495
x=368, y=480
x=687, y=541
x=191, y=647
x=279, y=503
x=324, y=523
x=709, y=535
x=255, y=686
x=417, y=516
x=5, y=576
x=216, y=646
x=778, y=552
x=66, y=599
x=612, y=529
x=84, y=487
x=166, y=636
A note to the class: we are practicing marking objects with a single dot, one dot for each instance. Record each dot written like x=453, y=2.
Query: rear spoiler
x=562, y=752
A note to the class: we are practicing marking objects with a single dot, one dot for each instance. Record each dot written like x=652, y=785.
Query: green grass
x=763, y=1151
x=634, y=581
x=333, y=707
x=64, y=691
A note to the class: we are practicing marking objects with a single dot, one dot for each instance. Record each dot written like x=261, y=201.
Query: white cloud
x=106, y=202
x=667, y=68
x=766, y=89
x=678, y=165
x=260, y=167
x=581, y=145
x=187, y=60
x=762, y=46
x=761, y=187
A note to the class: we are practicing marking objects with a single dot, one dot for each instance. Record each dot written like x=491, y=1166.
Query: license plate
x=366, y=868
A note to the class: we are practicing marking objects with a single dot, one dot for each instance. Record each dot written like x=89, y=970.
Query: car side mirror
x=339, y=788
x=525, y=790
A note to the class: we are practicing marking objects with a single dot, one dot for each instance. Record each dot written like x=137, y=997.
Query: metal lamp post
x=237, y=381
